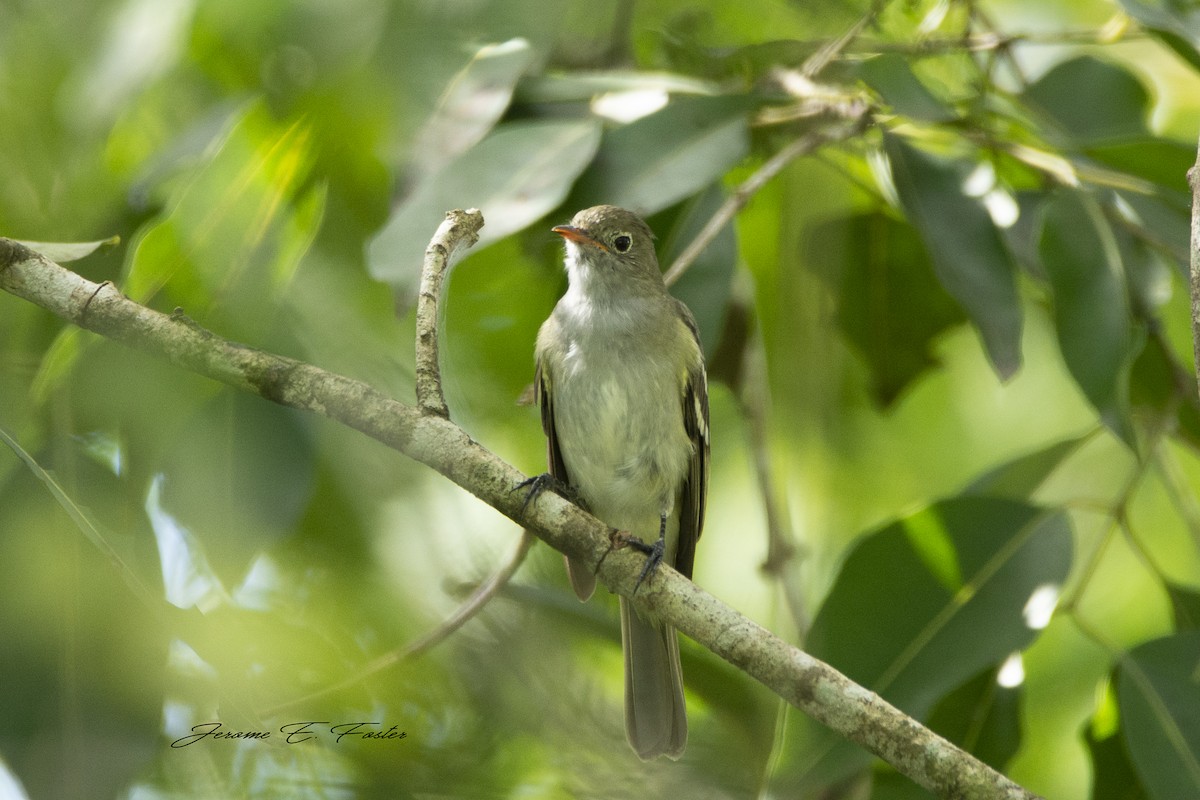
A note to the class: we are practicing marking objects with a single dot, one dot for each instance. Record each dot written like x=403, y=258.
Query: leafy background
x=955, y=423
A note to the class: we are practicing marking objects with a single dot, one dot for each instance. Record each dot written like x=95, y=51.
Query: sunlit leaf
x=1091, y=308
x=473, y=101
x=1158, y=686
x=63, y=252
x=516, y=175
x=968, y=254
x=583, y=86
x=237, y=229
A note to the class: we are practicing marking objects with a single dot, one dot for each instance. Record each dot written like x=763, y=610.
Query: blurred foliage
x=963, y=320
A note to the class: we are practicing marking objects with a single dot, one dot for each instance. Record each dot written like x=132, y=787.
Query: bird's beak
x=580, y=235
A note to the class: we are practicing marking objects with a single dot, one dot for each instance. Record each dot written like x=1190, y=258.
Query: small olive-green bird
x=624, y=401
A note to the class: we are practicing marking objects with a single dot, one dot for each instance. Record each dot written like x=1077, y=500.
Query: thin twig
x=1194, y=180
x=479, y=598
x=762, y=176
x=460, y=229
x=815, y=63
x=987, y=42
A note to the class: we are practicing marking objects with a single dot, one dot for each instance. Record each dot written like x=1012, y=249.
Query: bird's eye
x=623, y=243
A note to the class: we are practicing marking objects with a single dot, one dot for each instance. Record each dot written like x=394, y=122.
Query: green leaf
x=892, y=308
x=473, y=101
x=893, y=623
x=891, y=76
x=515, y=176
x=62, y=252
x=667, y=156
x=968, y=254
x=1020, y=478
x=1158, y=686
x=1091, y=309
x=1092, y=102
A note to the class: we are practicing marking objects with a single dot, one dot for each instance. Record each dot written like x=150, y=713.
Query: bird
x=621, y=384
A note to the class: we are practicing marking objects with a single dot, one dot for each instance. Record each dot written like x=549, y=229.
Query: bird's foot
x=540, y=483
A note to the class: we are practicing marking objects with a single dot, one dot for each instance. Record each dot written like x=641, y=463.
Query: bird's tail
x=655, y=714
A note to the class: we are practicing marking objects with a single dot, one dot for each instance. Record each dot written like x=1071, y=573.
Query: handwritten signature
x=294, y=732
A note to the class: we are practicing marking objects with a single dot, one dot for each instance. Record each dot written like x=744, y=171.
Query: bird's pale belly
x=629, y=456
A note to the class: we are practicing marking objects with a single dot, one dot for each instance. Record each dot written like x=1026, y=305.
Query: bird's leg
x=540, y=483
x=654, y=552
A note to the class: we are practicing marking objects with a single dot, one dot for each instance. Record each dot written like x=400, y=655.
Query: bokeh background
x=955, y=423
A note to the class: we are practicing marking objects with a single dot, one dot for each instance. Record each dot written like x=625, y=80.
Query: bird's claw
x=540, y=483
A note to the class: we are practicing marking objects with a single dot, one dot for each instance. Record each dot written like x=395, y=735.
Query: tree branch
x=459, y=230
x=1194, y=180
x=812, y=686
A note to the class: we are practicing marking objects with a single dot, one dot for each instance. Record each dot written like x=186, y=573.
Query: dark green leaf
x=1163, y=222
x=925, y=604
x=1158, y=382
x=983, y=718
x=1178, y=29
x=1092, y=102
x=893, y=78
x=515, y=176
x=706, y=285
x=1158, y=686
x=968, y=255
x=1091, y=309
x=891, y=306
x=1185, y=606
x=667, y=156
x=1113, y=777
x=238, y=478
x=1161, y=161
x=887, y=784
x=1020, y=478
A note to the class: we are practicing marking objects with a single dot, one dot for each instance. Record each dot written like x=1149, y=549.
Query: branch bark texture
x=458, y=231
x=431, y=438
